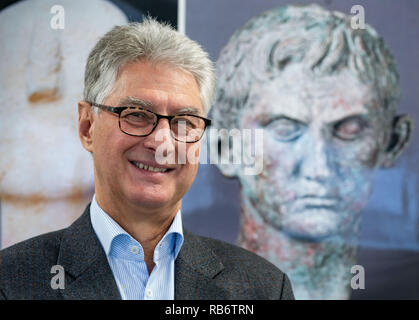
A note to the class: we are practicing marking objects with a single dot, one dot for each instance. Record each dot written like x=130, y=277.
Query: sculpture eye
x=285, y=129
x=349, y=129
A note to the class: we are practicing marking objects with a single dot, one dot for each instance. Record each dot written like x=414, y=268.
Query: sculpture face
x=323, y=139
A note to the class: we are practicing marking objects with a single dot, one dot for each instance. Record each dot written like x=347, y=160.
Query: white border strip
x=181, y=16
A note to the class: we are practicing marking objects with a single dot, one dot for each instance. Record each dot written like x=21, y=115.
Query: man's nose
x=160, y=134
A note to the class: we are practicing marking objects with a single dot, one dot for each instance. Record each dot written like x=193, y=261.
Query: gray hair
x=320, y=40
x=150, y=41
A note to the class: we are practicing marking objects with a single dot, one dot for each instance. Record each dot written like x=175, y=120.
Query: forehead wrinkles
x=156, y=94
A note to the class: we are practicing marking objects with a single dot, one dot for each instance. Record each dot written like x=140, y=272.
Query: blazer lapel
x=88, y=274
x=196, y=267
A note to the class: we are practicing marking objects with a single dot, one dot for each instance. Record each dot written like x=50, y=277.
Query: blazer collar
x=84, y=260
x=195, y=269
x=90, y=276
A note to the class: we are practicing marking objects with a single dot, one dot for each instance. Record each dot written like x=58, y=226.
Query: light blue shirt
x=126, y=258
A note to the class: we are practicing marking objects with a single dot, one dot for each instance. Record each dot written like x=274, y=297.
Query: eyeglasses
x=140, y=122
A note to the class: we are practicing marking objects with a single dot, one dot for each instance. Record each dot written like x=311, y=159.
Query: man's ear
x=399, y=139
x=86, y=118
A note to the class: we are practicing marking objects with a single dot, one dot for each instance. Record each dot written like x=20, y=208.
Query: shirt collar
x=107, y=229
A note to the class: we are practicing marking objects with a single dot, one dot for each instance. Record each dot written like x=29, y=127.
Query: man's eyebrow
x=135, y=102
x=189, y=110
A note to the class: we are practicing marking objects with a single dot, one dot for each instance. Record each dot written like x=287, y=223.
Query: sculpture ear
x=399, y=139
x=224, y=149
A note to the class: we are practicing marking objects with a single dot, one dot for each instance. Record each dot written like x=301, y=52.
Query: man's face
x=323, y=138
x=167, y=91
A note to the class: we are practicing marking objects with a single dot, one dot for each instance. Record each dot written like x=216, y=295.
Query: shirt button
x=134, y=250
x=149, y=293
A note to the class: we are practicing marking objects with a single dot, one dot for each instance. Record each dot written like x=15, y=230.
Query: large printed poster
x=324, y=207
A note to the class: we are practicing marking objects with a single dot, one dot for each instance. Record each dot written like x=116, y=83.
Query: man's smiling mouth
x=149, y=168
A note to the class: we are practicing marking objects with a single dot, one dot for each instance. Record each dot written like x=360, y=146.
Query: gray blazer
x=204, y=269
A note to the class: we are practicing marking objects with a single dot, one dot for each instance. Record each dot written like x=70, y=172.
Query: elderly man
x=325, y=96
x=147, y=91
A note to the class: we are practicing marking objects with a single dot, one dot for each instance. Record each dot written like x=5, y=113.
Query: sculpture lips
x=314, y=202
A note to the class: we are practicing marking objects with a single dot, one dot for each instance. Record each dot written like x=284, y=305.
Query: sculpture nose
x=316, y=164
x=43, y=74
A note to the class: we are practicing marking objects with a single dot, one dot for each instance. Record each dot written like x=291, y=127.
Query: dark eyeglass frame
x=119, y=110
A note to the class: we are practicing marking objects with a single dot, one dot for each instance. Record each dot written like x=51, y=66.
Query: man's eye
x=349, y=129
x=286, y=129
x=139, y=116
